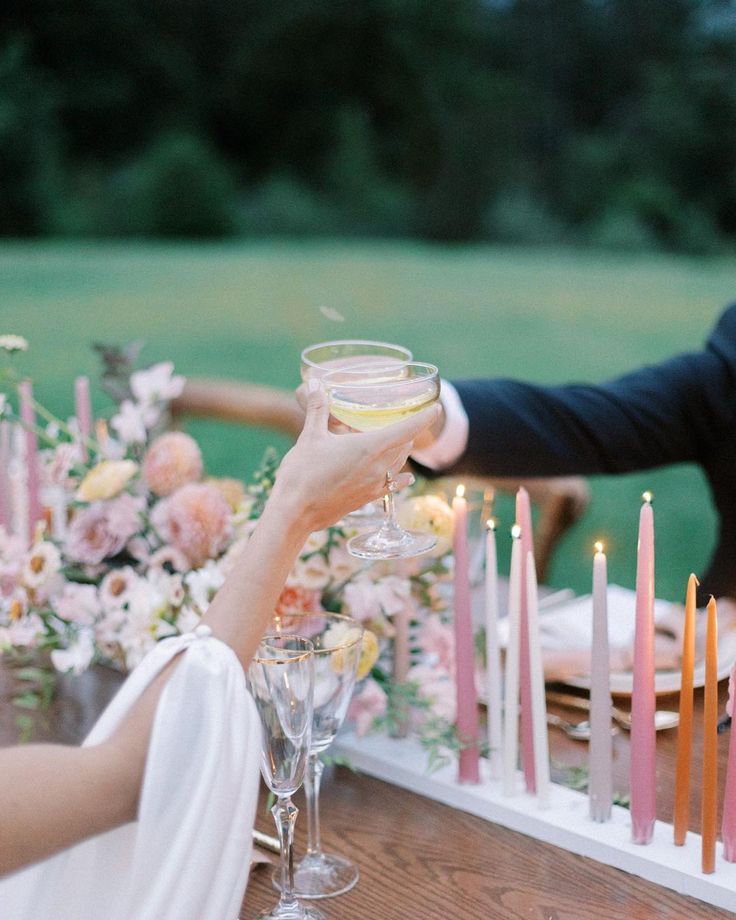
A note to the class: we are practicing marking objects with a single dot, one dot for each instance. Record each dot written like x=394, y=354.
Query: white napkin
x=187, y=856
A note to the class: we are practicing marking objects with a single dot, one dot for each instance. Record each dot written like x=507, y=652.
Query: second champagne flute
x=338, y=643
x=364, y=399
x=281, y=681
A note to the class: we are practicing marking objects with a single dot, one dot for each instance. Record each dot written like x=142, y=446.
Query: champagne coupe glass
x=281, y=681
x=366, y=399
x=338, y=642
x=320, y=359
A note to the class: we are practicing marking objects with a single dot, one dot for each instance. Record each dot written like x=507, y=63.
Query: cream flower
x=429, y=514
x=106, y=480
x=13, y=343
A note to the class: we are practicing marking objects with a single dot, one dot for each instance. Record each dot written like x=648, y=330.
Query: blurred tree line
x=603, y=121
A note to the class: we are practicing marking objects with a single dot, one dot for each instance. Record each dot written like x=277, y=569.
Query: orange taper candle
x=710, y=743
x=685, y=729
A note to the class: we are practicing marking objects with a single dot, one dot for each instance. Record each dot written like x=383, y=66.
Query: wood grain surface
x=420, y=860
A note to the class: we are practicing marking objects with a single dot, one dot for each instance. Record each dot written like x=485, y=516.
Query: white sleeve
x=453, y=439
x=187, y=855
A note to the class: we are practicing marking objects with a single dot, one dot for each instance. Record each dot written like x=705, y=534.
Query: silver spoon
x=664, y=719
x=578, y=731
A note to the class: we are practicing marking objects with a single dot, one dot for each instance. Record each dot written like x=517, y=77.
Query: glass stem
x=284, y=814
x=312, y=782
x=390, y=524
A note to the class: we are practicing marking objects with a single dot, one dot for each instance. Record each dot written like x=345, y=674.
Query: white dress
x=187, y=855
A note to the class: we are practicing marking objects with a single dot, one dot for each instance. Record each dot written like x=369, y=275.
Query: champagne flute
x=365, y=399
x=281, y=681
x=338, y=642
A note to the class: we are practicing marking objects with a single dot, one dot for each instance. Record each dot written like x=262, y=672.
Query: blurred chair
x=560, y=502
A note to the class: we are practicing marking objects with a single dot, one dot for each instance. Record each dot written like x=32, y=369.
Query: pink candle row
x=28, y=480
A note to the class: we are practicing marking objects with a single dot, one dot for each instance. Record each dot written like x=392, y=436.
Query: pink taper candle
x=536, y=679
x=600, y=756
x=524, y=520
x=493, y=655
x=728, y=825
x=83, y=408
x=681, y=817
x=709, y=782
x=643, y=736
x=28, y=418
x=467, y=697
x=6, y=511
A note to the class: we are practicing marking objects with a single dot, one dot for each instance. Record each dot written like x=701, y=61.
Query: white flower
x=133, y=421
x=3, y=400
x=156, y=384
x=116, y=586
x=315, y=542
x=13, y=343
x=78, y=657
x=313, y=573
x=78, y=604
x=203, y=583
x=42, y=563
x=342, y=564
x=24, y=631
x=188, y=619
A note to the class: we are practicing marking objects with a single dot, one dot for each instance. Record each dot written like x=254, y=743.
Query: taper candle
x=524, y=520
x=511, y=692
x=643, y=736
x=685, y=726
x=467, y=696
x=728, y=825
x=536, y=680
x=83, y=408
x=6, y=509
x=493, y=655
x=600, y=752
x=710, y=743
x=28, y=418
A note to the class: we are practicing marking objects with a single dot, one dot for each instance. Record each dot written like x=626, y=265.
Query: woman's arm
x=52, y=796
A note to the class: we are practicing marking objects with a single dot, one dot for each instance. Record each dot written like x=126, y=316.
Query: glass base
x=397, y=544
x=298, y=912
x=323, y=876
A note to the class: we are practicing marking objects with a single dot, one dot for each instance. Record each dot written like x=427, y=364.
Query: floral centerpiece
x=135, y=539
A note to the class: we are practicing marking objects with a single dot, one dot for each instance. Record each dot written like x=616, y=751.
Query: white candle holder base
x=564, y=823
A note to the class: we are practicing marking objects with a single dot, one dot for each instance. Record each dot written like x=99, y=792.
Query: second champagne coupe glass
x=319, y=359
x=364, y=399
x=281, y=681
x=338, y=642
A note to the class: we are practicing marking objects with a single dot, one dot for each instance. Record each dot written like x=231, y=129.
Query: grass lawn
x=245, y=310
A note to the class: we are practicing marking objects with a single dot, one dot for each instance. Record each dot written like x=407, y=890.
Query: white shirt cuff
x=453, y=439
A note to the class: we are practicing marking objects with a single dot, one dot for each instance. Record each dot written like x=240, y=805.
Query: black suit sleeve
x=673, y=412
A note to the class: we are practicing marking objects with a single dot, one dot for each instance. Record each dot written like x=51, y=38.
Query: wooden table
x=420, y=860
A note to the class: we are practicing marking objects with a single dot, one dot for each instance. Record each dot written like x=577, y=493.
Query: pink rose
x=437, y=639
x=172, y=460
x=103, y=529
x=194, y=520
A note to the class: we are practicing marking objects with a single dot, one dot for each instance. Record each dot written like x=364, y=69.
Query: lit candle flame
x=598, y=546
x=516, y=532
x=647, y=497
x=460, y=491
x=491, y=524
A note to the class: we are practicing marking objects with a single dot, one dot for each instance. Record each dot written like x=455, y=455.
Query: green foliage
x=523, y=121
x=178, y=187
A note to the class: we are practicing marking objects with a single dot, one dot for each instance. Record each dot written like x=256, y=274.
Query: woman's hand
x=326, y=475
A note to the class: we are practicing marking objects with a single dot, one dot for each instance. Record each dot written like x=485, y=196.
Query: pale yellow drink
x=368, y=418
